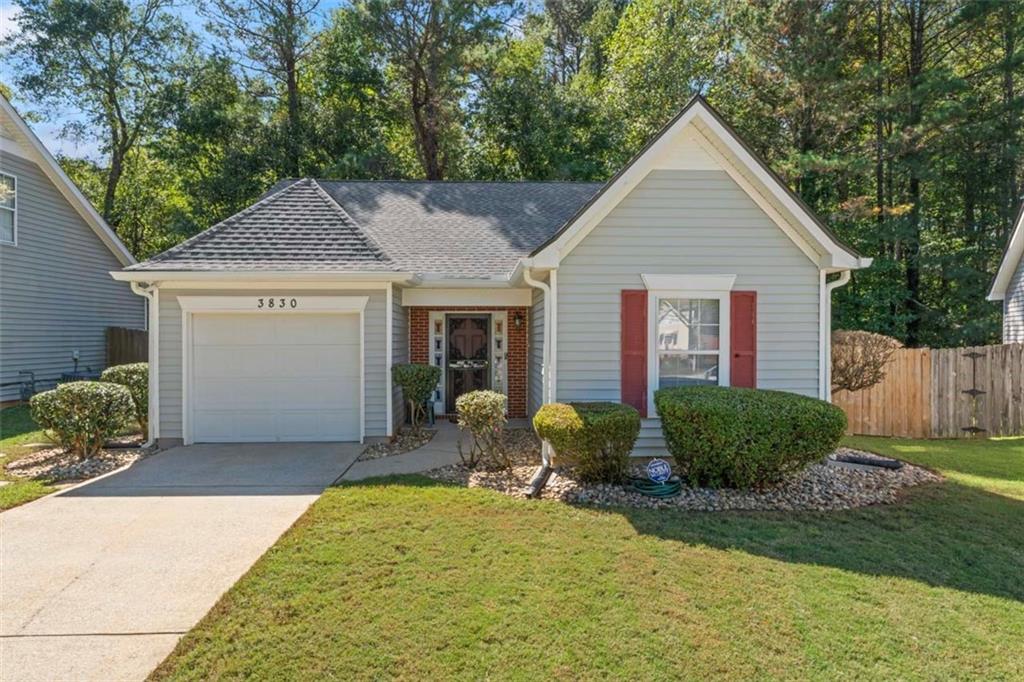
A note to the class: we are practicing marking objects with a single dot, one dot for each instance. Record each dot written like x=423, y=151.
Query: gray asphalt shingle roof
x=297, y=227
x=451, y=229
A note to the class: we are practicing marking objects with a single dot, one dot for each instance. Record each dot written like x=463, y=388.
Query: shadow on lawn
x=945, y=535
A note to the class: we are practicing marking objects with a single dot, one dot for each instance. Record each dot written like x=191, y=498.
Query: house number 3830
x=277, y=303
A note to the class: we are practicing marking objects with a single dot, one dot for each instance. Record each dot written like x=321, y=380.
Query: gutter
x=156, y=276
x=825, y=331
x=150, y=292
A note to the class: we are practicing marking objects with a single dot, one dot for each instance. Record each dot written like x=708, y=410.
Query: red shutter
x=634, y=349
x=743, y=339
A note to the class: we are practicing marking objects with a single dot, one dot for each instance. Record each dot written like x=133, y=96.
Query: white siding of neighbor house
x=1013, y=307
x=535, y=359
x=374, y=349
x=685, y=222
x=55, y=286
x=399, y=352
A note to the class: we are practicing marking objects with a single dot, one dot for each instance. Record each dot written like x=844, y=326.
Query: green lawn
x=17, y=434
x=405, y=578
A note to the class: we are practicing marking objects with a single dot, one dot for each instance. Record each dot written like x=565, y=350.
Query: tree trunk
x=912, y=246
x=293, y=132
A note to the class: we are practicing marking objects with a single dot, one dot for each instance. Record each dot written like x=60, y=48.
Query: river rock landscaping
x=824, y=486
x=58, y=466
x=403, y=441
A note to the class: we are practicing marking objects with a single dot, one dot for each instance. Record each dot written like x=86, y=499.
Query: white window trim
x=191, y=305
x=14, y=227
x=724, y=354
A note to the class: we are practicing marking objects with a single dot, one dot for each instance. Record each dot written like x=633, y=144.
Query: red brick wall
x=516, y=348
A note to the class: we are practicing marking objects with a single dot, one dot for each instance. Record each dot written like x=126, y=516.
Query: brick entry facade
x=419, y=347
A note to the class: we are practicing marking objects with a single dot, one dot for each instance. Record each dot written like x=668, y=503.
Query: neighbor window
x=8, y=207
x=688, y=333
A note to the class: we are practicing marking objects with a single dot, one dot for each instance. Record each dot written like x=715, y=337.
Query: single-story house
x=693, y=265
x=1008, y=285
x=56, y=252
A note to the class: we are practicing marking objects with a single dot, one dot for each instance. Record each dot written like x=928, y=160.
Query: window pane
x=6, y=225
x=687, y=324
x=7, y=197
x=687, y=370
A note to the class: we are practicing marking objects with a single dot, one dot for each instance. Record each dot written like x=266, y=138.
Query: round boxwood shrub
x=417, y=382
x=745, y=438
x=134, y=377
x=82, y=415
x=594, y=437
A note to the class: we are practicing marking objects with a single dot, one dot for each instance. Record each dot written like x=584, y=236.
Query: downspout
x=150, y=292
x=826, y=330
x=545, y=450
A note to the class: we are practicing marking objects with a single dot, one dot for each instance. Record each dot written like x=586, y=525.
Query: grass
x=406, y=578
x=18, y=434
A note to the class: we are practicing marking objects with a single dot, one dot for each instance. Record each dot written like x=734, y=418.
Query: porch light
x=517, y=320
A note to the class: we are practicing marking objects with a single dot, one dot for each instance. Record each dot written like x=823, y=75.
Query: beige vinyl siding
x=1013, y=307
x=374, y=345
x=685, y=222
x=56, y=291
x=399, y=351
x=535, y=359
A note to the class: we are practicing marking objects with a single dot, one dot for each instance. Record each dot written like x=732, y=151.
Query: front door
x=469, y=352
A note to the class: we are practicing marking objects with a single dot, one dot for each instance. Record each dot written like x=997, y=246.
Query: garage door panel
x=275, y=377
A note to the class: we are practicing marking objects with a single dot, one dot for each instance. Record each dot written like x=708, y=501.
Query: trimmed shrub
x=745, y=438
x=134, y=377
x=482, y=413
x=594, y=437
x=417, y=383
x=82, y=415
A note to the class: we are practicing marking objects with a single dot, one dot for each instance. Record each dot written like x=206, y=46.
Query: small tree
x=859, y=359
x=82, y=415
x=417, y=383
x=482, y=413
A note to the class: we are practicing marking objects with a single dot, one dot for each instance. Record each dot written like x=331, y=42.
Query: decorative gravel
x=58, y=466
x=403, y=441
x=825, y=486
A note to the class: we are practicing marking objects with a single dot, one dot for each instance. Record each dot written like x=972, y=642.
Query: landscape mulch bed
x=57, y=466
x=404, y=441
x=824, y=486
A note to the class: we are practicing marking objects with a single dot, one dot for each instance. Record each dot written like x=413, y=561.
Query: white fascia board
x=433, y=297
x=260, y=276
x=68, y=189
x=1010, y=262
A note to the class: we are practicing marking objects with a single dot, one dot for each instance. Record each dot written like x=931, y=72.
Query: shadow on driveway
x=229, y=469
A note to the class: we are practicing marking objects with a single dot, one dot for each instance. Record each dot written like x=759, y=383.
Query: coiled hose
x=646, y=486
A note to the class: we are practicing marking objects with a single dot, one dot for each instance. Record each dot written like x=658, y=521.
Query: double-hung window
x=688, y=322
x=8, y=208
x=688, y=341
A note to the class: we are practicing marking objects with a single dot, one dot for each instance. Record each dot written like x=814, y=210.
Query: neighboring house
x=693, y=265
x=56, y=296
x=1008, y=285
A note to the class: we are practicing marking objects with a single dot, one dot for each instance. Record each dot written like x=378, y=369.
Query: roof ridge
x=363, y=181
x=337, y=207
x=216, y=227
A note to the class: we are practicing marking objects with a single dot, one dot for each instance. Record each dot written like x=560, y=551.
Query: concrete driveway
x=100, y=581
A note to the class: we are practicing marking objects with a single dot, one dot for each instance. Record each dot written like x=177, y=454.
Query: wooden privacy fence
x=943, y=393
x=126, y=345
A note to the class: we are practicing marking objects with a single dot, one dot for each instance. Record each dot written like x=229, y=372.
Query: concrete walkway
x=100, y=581
x=442, y=450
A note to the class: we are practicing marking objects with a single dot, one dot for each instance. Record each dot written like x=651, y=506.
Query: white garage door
x=275, y=377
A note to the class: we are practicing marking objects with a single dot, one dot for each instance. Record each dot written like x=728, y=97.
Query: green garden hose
x=646, y=486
